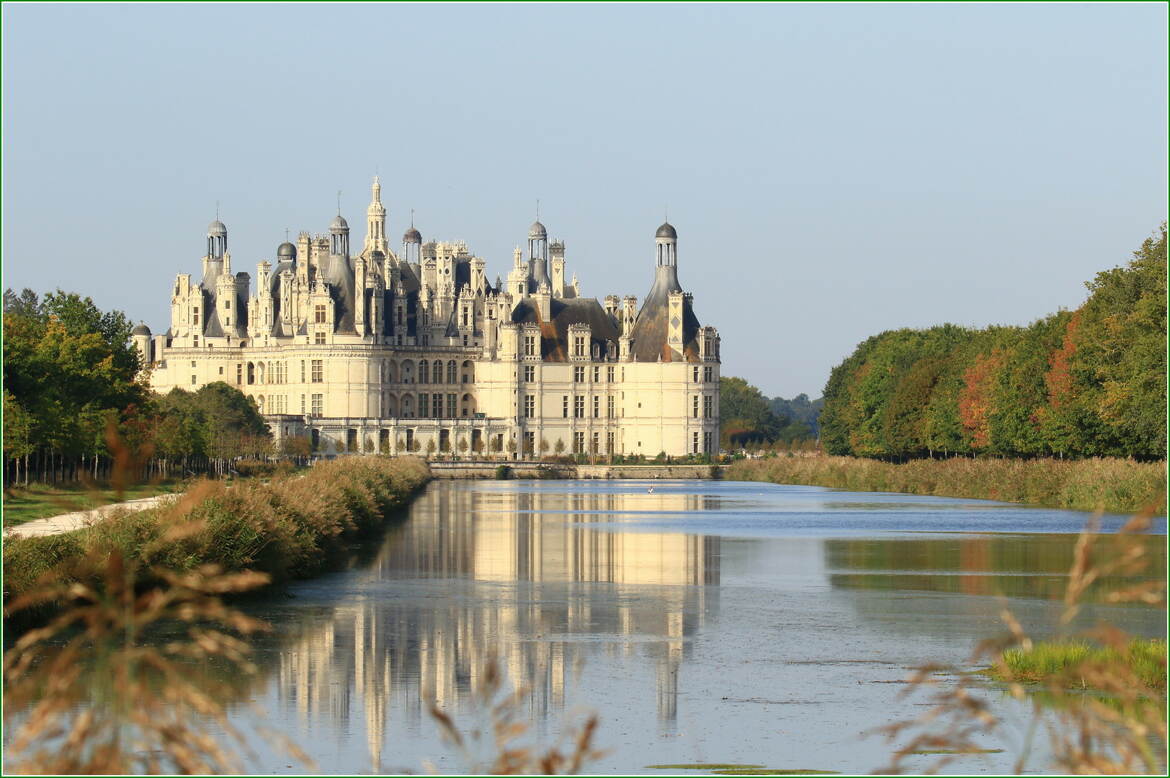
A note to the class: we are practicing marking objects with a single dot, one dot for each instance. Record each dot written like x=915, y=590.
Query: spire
x=376, y=191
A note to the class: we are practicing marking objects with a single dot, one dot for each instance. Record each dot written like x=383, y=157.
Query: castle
x=418, y=351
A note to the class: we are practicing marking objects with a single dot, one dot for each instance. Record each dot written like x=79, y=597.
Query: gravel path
x=68, y=522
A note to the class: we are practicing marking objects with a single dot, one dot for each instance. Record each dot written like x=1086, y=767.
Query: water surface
x=704, y=621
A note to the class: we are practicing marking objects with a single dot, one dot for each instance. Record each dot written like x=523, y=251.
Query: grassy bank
x=288, y=527
x=37, y=501
x=1075, y=664
x=1113, y=485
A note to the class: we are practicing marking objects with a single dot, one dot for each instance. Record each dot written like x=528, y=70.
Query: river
x=702, y=621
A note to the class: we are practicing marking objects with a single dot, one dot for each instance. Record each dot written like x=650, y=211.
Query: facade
x=417, y=351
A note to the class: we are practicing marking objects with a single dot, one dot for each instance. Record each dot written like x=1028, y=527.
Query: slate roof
x=651, y=326
x=554, y=334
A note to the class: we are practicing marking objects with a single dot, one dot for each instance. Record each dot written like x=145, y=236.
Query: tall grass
x=289, y=527
x=1063, y=661
x=1111, y=485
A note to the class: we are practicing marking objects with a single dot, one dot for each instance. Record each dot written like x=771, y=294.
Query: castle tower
x=216, y=240
x=538, y=256
x=412, y=244
x=339, y=236
x=141, y=337
x=666, y=241
x=376, y=221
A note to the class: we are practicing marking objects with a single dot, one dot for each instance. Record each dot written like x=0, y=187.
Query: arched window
x=251, y=373
x=390, y=409
x=467, y=406
x=452, y=374
x=407, y=374
x=423, y=372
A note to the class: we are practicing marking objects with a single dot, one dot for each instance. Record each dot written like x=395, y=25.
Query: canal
x=702, y=621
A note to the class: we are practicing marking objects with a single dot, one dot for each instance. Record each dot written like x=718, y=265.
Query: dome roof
x=141, y=329
x=286, y=249
x=216, y=228
x=412, y=236
x=537, y=230
x=666, y=231
x=339, y=223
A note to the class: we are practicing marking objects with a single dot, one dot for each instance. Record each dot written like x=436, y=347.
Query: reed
x=290, y=527
x=1100, y=484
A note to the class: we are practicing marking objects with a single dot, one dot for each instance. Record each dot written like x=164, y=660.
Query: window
x=565, y=406
x=424, y=374
x=578, y=375
x=596, y=407
x=195, y=341
x=695, y=374
x=302, y=371
x=529, y=373
x=302, y=405
x=227, y=305
x=452, y=372
x=529, y=406
x=596, y=375
x=318, y=404
x=609, y=442
x=192, y=380
x=452, y=406
x=596, y=444
x=465, y=322
x=529, y=443
x=707, y=406
x=694, y=443
x=194, y=315
x=695, y=406
x=221, y=369
x=578, y=442
x=318, y=371
x=707, y=443
x=609, y=374
x=319, y=314
x=708, y=373
x=422, y=406
x=529, y=345
x=192, y=363
x=579, y=406
x=319, y=338
x=436, y=406
x=579, y=346
x=227, y=321
x=609, y=407
x=240, y=373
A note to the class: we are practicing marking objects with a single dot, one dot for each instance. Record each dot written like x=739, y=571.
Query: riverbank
x=1112, y=485
x=288, y=527
x=38, y=501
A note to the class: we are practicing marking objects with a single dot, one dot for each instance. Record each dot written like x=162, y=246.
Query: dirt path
x=68, y=522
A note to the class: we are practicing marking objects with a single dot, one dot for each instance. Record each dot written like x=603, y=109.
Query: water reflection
x=1011, y=565
x=484, y=570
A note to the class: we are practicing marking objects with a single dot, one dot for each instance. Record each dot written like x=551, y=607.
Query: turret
x=141, y=337
x=376, y=221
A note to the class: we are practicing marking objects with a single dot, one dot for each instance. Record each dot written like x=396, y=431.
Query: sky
x=833, y=171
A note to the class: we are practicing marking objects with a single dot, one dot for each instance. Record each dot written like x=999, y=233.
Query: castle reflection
x=529, y=576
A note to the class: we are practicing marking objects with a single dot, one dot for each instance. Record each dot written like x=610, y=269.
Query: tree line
x=76, y=404
x=1081, y=383
x=747, y=417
